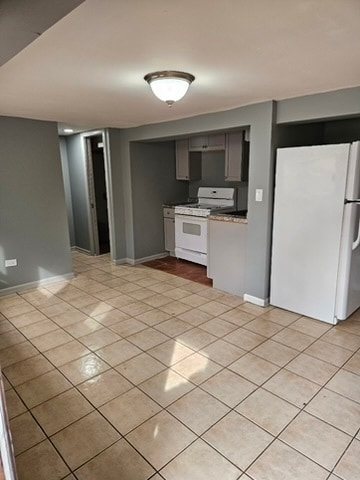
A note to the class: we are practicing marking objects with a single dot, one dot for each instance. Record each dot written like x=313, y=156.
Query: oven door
x=191, y=233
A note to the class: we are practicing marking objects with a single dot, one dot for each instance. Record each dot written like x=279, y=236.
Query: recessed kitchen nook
x=208, y=224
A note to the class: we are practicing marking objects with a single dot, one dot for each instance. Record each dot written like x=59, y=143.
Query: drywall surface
x=340, y=103
x=153, y=184
x=213, y=175
x=33, y=218
x=116, y=185
x=68, y=199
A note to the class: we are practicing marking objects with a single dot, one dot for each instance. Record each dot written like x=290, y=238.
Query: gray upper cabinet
x=234, y=156
x=203, y=143
x=188, y=165
x=188, y=155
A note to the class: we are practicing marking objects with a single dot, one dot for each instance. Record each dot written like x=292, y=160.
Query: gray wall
x=153, y=183
x=213, y=175
x=260, y=119
x=120, y=201
x=33, y=218
x=68, y=199
x=330, y=105
x=79, y=190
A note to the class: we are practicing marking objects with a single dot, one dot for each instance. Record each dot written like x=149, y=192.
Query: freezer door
x=308, y=213
x=348, y=287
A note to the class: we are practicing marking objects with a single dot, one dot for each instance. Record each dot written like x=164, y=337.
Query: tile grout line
x=197, y=351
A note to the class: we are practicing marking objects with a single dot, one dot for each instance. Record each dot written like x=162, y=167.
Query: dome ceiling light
x=169, y=85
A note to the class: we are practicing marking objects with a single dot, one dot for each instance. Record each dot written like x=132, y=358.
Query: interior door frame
x=93, y=226
x=91, y=201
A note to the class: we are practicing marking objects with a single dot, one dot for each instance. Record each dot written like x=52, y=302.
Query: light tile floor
x=132, y=373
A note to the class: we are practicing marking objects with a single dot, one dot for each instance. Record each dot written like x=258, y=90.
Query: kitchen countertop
x=227, y=217
x=174, y=203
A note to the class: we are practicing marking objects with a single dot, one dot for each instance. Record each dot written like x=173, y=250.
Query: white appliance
x=315, y=267
x=191, y=223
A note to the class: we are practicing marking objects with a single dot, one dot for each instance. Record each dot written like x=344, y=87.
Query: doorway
x=98, y=195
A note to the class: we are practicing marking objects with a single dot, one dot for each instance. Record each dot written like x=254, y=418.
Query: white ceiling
x=21, y=22
x=87, y=69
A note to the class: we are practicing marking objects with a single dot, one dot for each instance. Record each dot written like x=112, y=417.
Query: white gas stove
x=210, y=200
x=191, y=222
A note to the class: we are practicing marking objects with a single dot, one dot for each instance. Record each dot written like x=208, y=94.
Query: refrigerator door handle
x=356, y=243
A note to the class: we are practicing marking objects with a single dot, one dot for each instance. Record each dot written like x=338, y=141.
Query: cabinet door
x=182, y=160
x=201, y=143
x=233, y=156
x=227, y=256
x=216, y=142
x=198, y=143
x=169, y=233
x=169, y=212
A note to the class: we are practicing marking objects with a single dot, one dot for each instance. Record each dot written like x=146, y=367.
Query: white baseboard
x=80, y=250
x=37, y=283
x=152, y=257
x=121, y=261
x=257, y=301
x=137, y=261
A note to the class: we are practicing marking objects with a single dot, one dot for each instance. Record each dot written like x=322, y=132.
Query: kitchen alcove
x=154, y=183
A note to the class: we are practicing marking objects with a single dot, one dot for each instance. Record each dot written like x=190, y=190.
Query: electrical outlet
x=11, y=263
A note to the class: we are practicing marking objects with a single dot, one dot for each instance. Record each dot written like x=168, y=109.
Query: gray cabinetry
x=169, y=229
x=234, y=156
x=188, y=164
x=202, y=143
x=189, y=151
x=227, y=255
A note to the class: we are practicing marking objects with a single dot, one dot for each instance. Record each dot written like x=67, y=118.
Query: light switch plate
x=11, y=263
x=258, y=195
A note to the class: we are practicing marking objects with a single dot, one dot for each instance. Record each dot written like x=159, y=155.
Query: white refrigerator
x=315, y=265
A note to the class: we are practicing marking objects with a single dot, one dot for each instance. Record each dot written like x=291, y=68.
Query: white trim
x=37, y=283
x=121, y=261
x=92, y=214
x=81, y=250
x=151, y=257
x=109, y=192
x=131, y=261
x=256, y=300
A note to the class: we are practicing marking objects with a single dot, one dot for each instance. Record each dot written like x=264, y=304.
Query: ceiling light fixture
x=169, y=85
x=68, y=130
